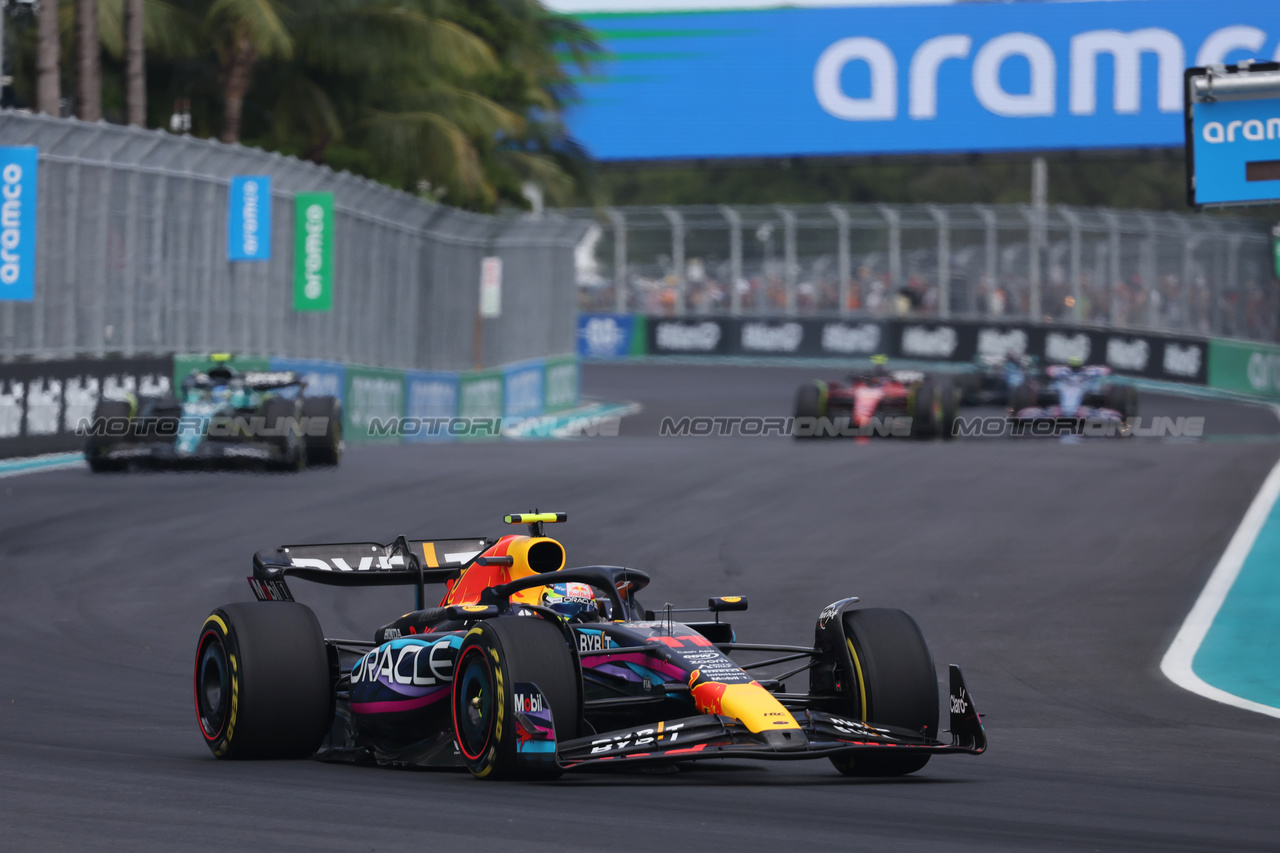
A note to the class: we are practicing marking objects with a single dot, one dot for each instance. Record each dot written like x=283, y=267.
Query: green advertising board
x=184, y=363
x=375, y=400
x=1244, y=367
x=480, y=396
x=313, y=252
x=639, y=336
x=560, y=386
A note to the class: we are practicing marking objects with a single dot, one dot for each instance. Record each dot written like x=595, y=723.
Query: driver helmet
x=574, y=602
x=221, y=374
x=1075, y=362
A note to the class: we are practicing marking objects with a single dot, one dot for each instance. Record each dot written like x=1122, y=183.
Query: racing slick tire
x=324, y=449
x=896, y=685
x=97, y=445
x=262, y=681
x=281, y=413
x=495, y=655
x=1123, y=399
x=950, y=393
x=808, y=405
x=1022, y=397
x=926, y=410
x=970, y=386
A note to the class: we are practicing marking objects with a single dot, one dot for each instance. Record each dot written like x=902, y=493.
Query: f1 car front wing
x=820, y=735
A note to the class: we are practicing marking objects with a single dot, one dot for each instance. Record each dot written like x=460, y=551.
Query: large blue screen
x=869, y=80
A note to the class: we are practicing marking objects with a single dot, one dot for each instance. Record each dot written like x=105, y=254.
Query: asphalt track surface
x=1055, y=573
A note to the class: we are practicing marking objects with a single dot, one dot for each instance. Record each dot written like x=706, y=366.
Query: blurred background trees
x=460, y=100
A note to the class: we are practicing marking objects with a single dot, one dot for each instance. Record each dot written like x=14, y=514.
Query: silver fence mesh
x=1192, y=273
x=131, y=258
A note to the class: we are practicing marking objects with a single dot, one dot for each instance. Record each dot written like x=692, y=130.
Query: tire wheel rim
x=213, y=688
x=473, y=708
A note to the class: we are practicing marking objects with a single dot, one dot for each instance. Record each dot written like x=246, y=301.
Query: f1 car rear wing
x=269, y=380
x=404, y=562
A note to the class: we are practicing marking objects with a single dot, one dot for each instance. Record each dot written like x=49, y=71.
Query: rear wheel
x=950, y=394
x=496, y=655
x=281, y=416
x=262, y=683
x=926, y=410
x=894, y=684
x=326, y=448
x=105, y=413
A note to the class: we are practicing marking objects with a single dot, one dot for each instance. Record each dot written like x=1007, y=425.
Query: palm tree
x=130, y=28
x=242, y=32
x=48, y=73
x=135, y=90
x=88, y=62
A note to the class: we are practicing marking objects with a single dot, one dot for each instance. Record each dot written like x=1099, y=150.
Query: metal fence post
x=1113, y=265
x=990, y=249
x=893, y=219
x=789, y=264
x=1035, y=247
x=1075, y=263
x=941, y=219
x=844, y=262
x=677, y=254
x=1151, y=273
x=1189, y=242
x=735, y=258
x=1233, y=278
x=619, y=222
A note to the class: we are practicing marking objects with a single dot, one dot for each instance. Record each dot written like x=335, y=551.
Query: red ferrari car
x=879, y=402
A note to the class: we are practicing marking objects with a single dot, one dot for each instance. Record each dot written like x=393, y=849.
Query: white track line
x=1176, y=664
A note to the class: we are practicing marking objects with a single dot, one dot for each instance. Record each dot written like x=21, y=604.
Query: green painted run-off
x=1241, y=652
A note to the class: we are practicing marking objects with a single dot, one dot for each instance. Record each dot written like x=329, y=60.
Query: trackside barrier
x=1240, y=367
x=41, y=403
x=1172, y=358
x=135, y=252
x=1247, y=368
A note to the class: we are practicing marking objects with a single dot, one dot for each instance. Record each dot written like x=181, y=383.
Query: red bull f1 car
x=526, y=669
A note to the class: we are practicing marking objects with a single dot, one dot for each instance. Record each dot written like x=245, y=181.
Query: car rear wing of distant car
x=271, y=380
x=404, y=562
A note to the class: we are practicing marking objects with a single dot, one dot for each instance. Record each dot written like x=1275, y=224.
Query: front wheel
x=809, y=404
x=497, y=655
x=1123, y=399
x=894, y=684
x=97, y=447
x=262, y=681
